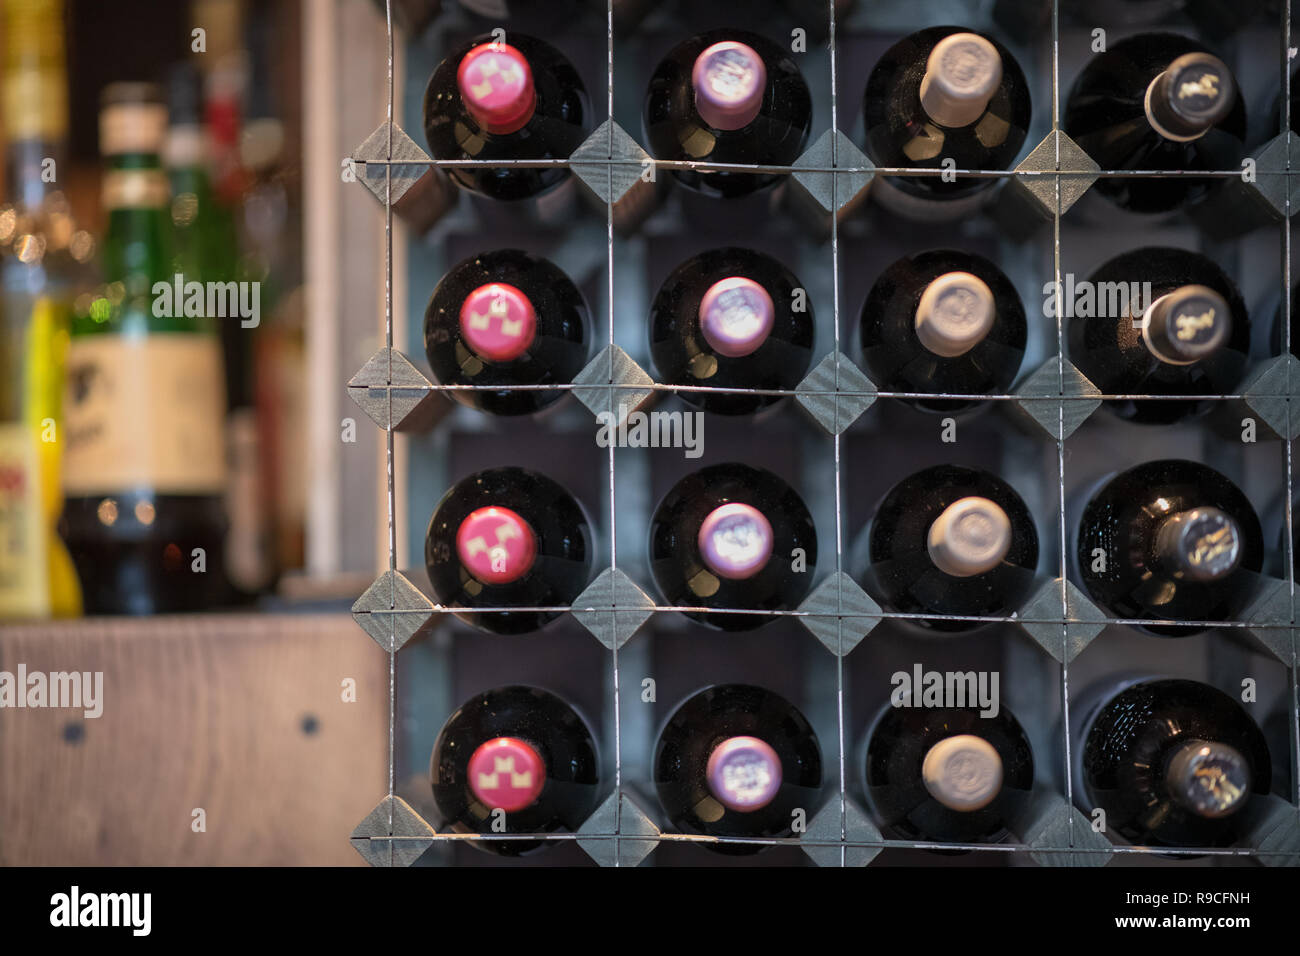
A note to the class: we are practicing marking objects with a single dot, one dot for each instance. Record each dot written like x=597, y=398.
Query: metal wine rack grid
x=625, y=661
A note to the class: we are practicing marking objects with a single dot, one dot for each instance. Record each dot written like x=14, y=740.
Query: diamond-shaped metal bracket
x=392, y=834
x=1276, y=639
x=1041, y=619
x=1270, y=617
x=1268, y=391
x=612, y=384
x=393, y=610
x=409, y=162
x=839, y=613
x=824, y=832
x=619, y=833
x=836, y=392
x=1242, y=204
x=832, y=176
x=1047, y=832
x=612, y=608
x=393, y=392
x=1058, y=398
x=1275, y=831
x=609, y=162
x=1056, y=170
x=611, y=165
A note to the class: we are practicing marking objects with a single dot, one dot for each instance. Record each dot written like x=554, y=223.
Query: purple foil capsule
x=735, y=541
x=729, y=80
x=736, y=316
x=743, y=774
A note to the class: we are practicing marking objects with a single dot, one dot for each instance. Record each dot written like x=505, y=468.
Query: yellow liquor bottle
x=42, y=255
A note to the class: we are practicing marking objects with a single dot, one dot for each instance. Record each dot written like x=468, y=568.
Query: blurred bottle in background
x=145, y=517
x=43, y=259
x=270, y=453
x=212, y=112
x=205, y=249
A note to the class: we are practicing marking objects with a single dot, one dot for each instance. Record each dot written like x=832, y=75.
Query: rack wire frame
x=393, y=610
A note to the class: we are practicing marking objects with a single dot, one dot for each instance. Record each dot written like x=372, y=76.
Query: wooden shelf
x=241, y=715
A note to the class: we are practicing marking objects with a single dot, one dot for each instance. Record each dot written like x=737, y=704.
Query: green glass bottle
x=42, y=256
x=145, y=467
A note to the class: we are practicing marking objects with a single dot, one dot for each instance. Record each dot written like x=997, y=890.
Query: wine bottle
x=948, y=774
x=1171, y=323
x=506, y=318
x=727, y=96
x=145, y=468
x=205, y=248
x=498, y=102
x=737, y=761
x=726, y=536
x=1157, y=101
x=43, y=256
x=505, y=538
x=949, y=540
x=944, y=94
x=944, y=322
x=521, y=751
x=1171, y=762
x=732, y=318
x=1169, y=540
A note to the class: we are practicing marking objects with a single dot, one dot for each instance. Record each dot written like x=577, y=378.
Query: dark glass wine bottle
x=732, y=318
x=726, y=536
x=520, y=750
x=1169, y=540
x=1157, y=101
x=944, y=322
x=1171, y=762
x=505, y=538
x=948, y=774
x=944, y=93
x=736, y=761
x=1163, y=322
x=503, y=319
x=497, y=102
x=145, y=518
x=949, y=540
x=728, y=96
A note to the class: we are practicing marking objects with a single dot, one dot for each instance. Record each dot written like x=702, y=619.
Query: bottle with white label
x=145, y=403
x=943, y=322
x=947, y=774
x=951, y=543
x=943, y=99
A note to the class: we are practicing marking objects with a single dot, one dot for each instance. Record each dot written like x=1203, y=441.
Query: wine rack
x=838, y=439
